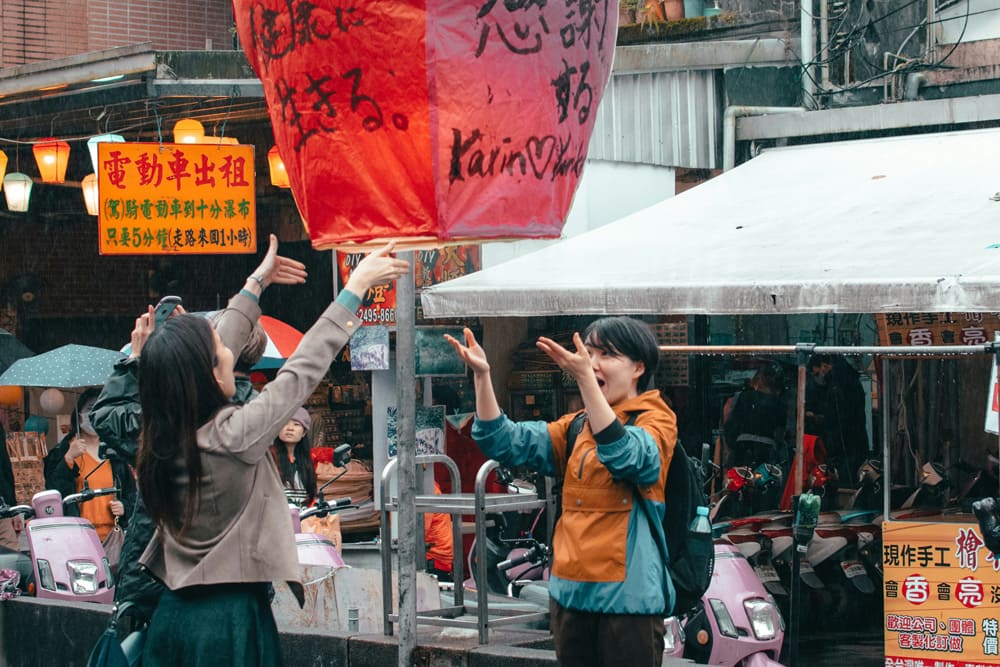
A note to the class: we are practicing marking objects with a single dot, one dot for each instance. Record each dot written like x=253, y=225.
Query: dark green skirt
x=213, y=626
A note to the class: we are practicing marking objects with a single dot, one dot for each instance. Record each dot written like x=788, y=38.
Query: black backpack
x=692, y=555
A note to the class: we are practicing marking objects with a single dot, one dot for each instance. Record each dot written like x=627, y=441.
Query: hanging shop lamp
x=100, y=139
x=279, y=175
x=17, y=190
x=188, y=131
x=89, y=185
x=3, y=165
x=52, y=156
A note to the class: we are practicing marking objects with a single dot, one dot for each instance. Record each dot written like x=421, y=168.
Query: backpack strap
x=576, y=428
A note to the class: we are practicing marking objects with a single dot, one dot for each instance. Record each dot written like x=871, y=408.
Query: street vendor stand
x=888, y=225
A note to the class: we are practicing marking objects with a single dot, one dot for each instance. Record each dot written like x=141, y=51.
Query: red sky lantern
x=431, y=120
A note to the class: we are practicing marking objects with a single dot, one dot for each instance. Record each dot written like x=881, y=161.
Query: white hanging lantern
x=52, y=401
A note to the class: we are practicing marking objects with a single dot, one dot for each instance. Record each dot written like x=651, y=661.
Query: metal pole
x=808, y=48
x=803, y=352
x=406, y=456
x=885, y=406
x=794, y=602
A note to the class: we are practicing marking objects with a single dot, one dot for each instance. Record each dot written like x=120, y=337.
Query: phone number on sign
x=378, y=315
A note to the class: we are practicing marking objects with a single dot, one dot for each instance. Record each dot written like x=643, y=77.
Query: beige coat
x=242, y=531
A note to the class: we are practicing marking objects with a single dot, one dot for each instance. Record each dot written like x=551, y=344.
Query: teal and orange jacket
x=608, y=551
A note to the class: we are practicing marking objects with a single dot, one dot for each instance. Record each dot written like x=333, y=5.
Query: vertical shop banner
x=942, y=596
x=431, y=119
x=920, y=329
x=190, y=199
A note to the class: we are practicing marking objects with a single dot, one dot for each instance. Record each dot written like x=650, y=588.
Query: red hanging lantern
x=431, y=120
x=52, y=156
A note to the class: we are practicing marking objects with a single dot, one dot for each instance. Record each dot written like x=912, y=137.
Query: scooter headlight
x=673, y=635
x=762, y=615
x=45, y=578
x=82, y=576
x=723, y=619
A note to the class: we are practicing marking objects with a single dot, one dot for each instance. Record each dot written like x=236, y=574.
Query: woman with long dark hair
x=292, y=454
x=223, y=528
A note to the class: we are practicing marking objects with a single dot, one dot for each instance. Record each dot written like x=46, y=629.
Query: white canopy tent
x=891, y=224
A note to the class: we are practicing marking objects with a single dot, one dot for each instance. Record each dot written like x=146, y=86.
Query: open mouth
x=600, y=382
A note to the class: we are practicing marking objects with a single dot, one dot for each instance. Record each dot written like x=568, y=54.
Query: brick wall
x=38, y=30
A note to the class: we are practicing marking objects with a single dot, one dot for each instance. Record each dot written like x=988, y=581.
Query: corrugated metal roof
x=669, y=119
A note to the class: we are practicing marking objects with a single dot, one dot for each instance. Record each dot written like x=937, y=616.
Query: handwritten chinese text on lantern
x=447, y=119
x=176, y=199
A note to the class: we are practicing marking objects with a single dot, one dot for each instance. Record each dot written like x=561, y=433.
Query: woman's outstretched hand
x=376, y=268
x=471, y=352
x=277, y=270
x=577, y=364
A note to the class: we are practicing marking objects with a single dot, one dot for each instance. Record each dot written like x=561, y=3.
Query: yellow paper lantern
x=188, y=131
x=52, y=157
x=279, y=176
x=89, y=185
x=3, y=166
x=11, y=396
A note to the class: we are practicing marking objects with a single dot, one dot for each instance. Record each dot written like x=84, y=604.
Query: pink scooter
x=68, y=559
x=737, y=625
x=313, y=548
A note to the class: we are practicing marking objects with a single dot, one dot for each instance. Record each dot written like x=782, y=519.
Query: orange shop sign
x=942, y=596
x=920, y=329
x=190, y=199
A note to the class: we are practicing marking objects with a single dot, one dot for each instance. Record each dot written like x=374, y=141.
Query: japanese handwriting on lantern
x=150, y=169
x=579, y=99
x=916, y=589
x=177, y=167
x=968, y=543
x=277, y=38
x=921, y=337
x=973, y=335
x=587, y=18
x=115, y=168
x=969, y=592
x=522, y=36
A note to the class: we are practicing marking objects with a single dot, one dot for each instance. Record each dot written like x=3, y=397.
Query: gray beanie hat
x=302, y=416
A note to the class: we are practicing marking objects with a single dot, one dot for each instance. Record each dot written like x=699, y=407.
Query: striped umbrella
x=282, y=339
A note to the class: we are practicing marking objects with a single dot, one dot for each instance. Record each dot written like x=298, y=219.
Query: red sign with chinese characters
x=430, y=267
x=942, y=587
x=919, y=329
x=177, y=199
x=431, y=119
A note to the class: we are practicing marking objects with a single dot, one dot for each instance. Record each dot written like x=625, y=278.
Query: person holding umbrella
x=78, y=455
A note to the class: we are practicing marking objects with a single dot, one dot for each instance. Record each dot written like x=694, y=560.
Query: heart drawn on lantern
x=539, y=148
x=428, y=121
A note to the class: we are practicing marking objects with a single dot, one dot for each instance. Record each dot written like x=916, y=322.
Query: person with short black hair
x=609, y=587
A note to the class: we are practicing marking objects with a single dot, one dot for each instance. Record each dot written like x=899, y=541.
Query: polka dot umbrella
x=282, y=339
x=65, y=367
